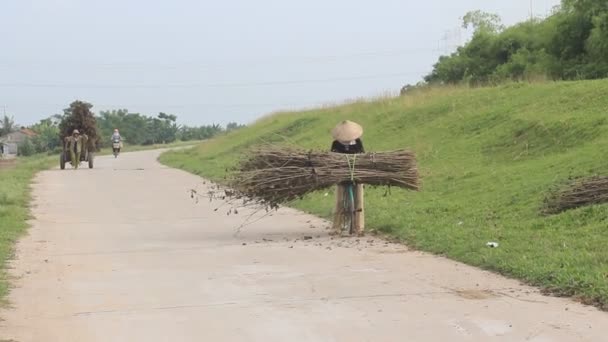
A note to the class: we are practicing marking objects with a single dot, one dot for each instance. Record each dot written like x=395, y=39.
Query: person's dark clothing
x=339, y=147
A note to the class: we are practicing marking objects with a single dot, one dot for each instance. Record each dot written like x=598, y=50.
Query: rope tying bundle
x=351, y=159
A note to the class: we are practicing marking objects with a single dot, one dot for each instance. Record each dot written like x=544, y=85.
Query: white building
x=9, y=143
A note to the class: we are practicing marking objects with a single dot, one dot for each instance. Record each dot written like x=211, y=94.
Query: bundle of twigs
x=276, y=175
x=579, y=193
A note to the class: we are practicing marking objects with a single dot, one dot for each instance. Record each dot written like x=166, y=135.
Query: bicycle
x=349, y=209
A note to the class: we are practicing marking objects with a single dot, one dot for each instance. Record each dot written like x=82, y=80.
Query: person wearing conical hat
x=347, y=140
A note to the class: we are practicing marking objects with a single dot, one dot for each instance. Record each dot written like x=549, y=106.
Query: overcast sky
x=224, y=60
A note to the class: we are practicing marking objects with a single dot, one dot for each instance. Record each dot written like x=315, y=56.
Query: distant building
x=9, y=143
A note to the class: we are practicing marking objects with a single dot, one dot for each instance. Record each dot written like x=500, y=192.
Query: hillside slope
x=487, y=157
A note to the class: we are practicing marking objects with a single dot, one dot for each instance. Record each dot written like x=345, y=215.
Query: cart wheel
x=62, y=161
x=91, y=158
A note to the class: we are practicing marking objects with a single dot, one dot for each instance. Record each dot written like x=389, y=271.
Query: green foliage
x=187, y=133
x=571, y=44
x=482, y=21
x=587, y=7
x=47, y=131
x=488, y=157
x=597, y=46
x=7, y=125
x=26, y=148
x=233, y=126
x=162, y=129
x=139, y=129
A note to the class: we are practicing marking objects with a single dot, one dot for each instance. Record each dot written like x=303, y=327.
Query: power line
x=176, y=106
x=201, y=85
x=222, y=105
x=231, y=64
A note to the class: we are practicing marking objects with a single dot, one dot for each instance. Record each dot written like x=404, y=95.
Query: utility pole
x=444, y=43
x=450, y=41
x=531, y=11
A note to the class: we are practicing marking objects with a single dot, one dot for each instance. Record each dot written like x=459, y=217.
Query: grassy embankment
x=487, y=157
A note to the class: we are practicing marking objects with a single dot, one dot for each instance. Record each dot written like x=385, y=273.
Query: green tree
x=7, y=125
x=187, y=133
x=597, y=47
x=589, y=8
x=572, y=43
x=26, y=148
x=231, y=126
x=45, y=140
x=165, y=128
x=482, y=22
x=145, y=130
x=132, y=126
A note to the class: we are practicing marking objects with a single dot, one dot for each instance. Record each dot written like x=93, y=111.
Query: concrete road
x=122, y=253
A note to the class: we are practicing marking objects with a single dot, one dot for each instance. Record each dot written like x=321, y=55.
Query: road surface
x=122, y=253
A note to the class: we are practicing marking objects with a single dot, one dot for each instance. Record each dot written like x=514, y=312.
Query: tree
x=597, y=43
x=7, y=125
x=589, y=8
x=166, y=128
x=79, y=116
x=140, y=129
x=45, y=140
x=482, y=21
x=26, y=148
x=187, y=133
x=232, y=126
x=596, y=47
x=572, y=43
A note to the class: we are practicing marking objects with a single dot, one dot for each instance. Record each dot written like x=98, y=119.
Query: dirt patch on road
x=475, y=294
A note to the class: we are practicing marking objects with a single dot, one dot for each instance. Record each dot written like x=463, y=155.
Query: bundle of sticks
x=579, y=193
x=277, y=175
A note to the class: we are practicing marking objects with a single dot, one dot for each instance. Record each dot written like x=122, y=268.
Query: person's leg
x=73, y=158
x=77, y=155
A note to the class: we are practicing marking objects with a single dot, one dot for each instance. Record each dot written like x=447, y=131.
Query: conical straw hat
x=347, y=131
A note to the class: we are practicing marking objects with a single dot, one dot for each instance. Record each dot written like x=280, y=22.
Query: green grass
x=14, y=206
x=487, y=157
